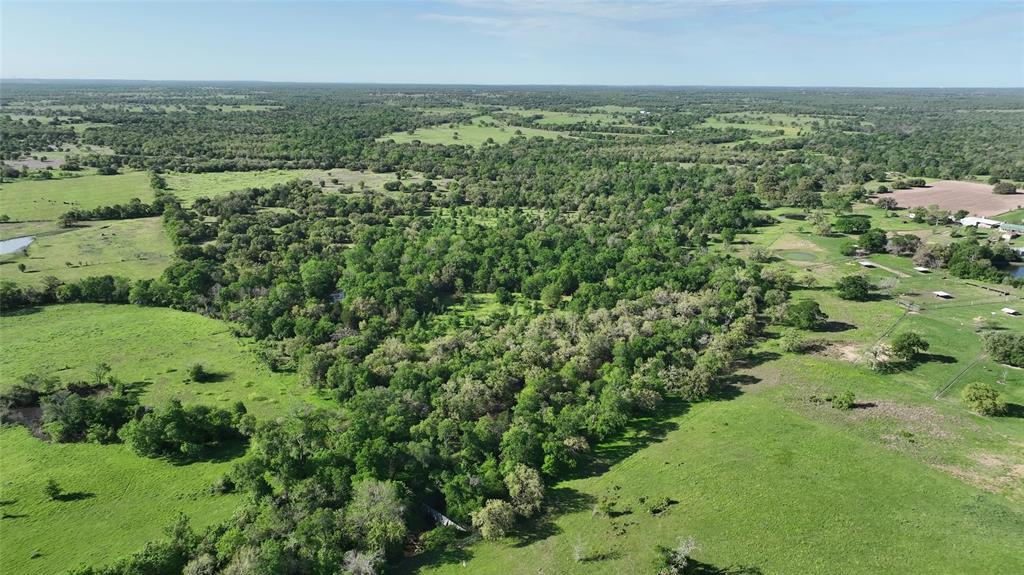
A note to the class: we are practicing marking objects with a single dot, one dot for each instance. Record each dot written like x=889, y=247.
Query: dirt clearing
x=951, y=195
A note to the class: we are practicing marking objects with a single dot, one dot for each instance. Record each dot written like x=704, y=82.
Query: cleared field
x=188, y=187
x=117, y=502
x=951, y=195
x=137, y=249
x=149, y=346
x=474, y=134
x=38, y=200
x=48, y=199
x=803, y=497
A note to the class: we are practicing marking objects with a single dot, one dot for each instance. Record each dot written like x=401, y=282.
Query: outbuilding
x=1010, y=311
x=922, y=269
x=866, y=264
x=971, y=221
x=943, y=295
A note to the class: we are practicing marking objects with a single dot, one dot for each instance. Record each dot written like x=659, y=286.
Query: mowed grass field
x=474, y=134
x=48, y=199
x=149, y=346
x=137, y=249
x=188, y=187
x=38, y=200
x=117, y=502
x=909, y=481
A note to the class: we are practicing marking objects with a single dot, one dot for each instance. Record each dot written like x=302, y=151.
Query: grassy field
x=137, y=249
x=802, y=497
x=907, y=481
x=188, y=187
x=48, y=199
x=474, y=134
x=37, y=200
x=152, y=346
x=117, y=502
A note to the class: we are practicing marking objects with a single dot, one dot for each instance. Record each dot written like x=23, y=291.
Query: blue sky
x=664, y=42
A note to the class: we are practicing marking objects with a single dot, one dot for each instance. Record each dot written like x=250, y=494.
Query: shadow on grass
x=29, y=310
x=1014, y=410
x=835, y=327
x=213, y=377
x=227, y=451
x=75, y=496
x=695, y=567
x=558, y=501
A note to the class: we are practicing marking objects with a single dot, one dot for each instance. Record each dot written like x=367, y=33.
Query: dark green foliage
x=984, y=399
x=177, y=431
x=51, y=489
x=851, y=225
x=854, y=287
x=805, y=314
x=907, y=345
x=843, y=401
x=1004, y=188
x=1006, y=347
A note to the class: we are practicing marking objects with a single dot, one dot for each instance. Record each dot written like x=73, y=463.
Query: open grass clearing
x=476, y=133
x=188, y=187
x=48, y=199
x=804, y=497
x=136, y=248
x=117, y=501
x=153, y=346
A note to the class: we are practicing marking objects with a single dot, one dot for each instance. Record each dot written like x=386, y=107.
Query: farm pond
x=14, y=244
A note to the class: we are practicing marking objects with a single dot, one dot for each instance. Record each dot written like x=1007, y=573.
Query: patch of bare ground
x=992, y=472
x=843, y=351
x=918, y=419
x=952, y=195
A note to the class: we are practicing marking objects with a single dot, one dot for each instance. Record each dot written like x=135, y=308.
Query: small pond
x=1016, y=271
x=14, y=244
x=799, y=256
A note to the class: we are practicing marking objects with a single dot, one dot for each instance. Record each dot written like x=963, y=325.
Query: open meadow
x=35, y=200
x=151, y=347
x=115, y=501
x=476, y=133
x=136, y=248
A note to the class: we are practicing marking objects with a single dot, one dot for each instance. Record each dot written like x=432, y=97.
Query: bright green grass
x=127, y=501
x=137, y=249
x=1012, y=217
x=149, y=345
x=188, y=187
x=48, y=199
x=474, y=134
x=758, y=485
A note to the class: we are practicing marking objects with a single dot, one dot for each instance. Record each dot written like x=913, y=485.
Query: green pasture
x=152, y=347
x=137, y=249
x=116, y=501
x=473, y=134
x=188, y=187
x=48, y=199
x=803, y=496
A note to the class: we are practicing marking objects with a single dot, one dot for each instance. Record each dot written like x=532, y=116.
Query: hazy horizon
x=669, y=43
